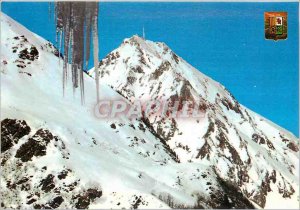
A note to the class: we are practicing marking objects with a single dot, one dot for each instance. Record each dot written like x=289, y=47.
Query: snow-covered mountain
x=240, y=145
x=55, y=153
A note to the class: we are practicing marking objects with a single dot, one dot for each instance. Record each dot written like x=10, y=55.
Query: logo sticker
x=275, y=25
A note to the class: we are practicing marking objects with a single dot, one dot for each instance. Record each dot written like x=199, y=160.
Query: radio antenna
x=144, y=35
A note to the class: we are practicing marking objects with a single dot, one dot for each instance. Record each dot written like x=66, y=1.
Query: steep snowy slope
x=257, y=156
x=56, y=153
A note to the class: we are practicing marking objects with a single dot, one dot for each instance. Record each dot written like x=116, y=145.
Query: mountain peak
x=137, y=38
x=134, y=39
x=147, y=46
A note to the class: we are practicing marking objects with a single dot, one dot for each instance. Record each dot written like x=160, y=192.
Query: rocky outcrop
x=12, y=131
x=35, y=146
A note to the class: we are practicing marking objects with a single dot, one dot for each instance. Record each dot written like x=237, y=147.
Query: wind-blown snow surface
x=55, y=153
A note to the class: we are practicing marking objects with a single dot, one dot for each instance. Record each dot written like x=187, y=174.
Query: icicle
x=75, y=23
x=88, y=22
x=82, y=87
x=59, y=48
x=66, y=56
x=96, y=48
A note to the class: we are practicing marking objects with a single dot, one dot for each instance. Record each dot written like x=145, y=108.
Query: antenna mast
x=144, y=36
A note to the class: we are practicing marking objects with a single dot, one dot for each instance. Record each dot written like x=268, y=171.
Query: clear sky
x=223, y=40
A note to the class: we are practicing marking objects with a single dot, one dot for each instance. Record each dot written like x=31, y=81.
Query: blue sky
x=223, y=40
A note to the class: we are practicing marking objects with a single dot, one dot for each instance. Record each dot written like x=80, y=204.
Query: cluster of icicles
x=76, y=25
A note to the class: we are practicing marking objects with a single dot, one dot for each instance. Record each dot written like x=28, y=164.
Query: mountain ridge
x=152, y=69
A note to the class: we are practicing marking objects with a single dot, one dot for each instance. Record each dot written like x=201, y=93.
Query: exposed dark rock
x=231, y=106
x=141, y=127
x=231, y=197
x=204, y=151
x=270, y=144
x=32, y=54
x=22, y=181
x=175, y=57
x=72, y=186
x=54, y=50
x=55, y=203
x=21, y=66
x=235, y=155
x=258, y=139
x=48, y=183
x=63, y=174
x=35, y=146
x=186, y=91
x=109, y=59
x=285, y=188
x=31, y=201
x=94, y=193
x=243, y=176
x=293, y=146
x=211, y=129
x=23, y=72
x=10, y=185
x=137, y=202
x=39, y=206
x=11, y=131
x=184, y=147
x=170, y=133
x=142, y=58
x=220, y=125
x=131, y=80
x=285, y=140
x=132, y=126
x=167, y=148
x=223, y=140
x=262, y=140
x=113, y=126
x=224, y=143
x=165, y=66
x=137, y=69
x=83, y=200
x=260, y=197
